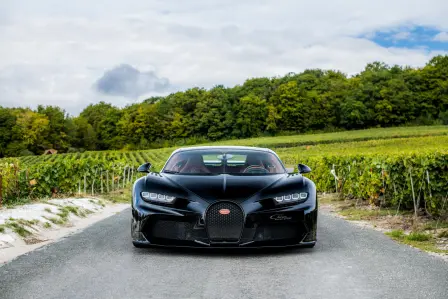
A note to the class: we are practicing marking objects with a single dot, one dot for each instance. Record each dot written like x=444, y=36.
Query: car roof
x=224, y=147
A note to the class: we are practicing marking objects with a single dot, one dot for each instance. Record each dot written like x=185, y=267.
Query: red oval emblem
x=224, y=211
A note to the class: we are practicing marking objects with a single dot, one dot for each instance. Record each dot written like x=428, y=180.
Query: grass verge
x=422, y=233
x=119, y=196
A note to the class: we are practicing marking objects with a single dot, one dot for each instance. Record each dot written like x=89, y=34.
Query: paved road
x=348, y=262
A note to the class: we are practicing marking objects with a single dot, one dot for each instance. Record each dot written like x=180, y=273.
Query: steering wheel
x=255, y=169
x=196, y=169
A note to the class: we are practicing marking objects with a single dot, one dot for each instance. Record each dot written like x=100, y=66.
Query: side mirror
x=303, y=168
x=144, y=167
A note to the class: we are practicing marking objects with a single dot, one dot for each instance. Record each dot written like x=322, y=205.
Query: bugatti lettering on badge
x=224, y=211
x=280, y=217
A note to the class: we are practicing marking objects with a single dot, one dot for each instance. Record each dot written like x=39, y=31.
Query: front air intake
x=224, y=222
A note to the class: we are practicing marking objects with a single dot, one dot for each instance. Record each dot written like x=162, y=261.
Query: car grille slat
x=224, y=227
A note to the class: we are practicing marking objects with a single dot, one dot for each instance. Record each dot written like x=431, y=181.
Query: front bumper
x=154, y=225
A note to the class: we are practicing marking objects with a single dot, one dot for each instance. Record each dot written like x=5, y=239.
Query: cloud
x=441, y=37
x=53, y=54
x=124, y=80
x=401, y=35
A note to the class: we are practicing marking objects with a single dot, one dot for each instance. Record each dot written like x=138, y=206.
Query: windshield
x=214, y=162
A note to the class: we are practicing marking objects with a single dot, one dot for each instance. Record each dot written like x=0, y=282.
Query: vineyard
x=82, y=173
x=405, y=169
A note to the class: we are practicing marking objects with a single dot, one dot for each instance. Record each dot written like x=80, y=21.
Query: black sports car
x=225, y=196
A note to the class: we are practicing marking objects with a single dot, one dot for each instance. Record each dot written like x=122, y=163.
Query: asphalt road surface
x=348, y=262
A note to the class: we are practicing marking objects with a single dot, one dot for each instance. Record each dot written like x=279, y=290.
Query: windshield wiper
x=171, y=171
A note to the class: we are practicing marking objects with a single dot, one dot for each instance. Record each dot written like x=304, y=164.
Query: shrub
x=416, y=236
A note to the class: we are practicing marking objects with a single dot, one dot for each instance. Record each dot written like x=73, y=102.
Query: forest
x=314, y=100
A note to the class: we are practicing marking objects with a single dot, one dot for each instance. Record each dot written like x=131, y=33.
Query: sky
x=73, y=53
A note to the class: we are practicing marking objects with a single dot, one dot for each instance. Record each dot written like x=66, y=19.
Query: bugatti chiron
x=224, y=196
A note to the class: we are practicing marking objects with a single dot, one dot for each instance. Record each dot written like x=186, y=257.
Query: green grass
x=18, y=202
x=390, y=146
x=27, y=222
x=417, y=236
x=294, y=143
x=71, y=209
x=18, y=228
x=57, y=221
x=47, y=225
x=344, y=136
x=2, y=228
x=63, y=214
x=419, y=240
x=82, y=213
x=120, y=196
x=357, y=214
x=396, y=234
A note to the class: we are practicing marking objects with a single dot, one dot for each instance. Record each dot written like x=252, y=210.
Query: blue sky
x=73, y=53
x=410, y=38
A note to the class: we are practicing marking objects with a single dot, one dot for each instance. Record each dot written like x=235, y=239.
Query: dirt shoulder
x=28, y=227
x=424, y=233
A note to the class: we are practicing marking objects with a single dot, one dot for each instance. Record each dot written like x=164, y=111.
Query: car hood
x=233, y=187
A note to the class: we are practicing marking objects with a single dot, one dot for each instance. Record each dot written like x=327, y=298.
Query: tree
x=7, y=122
x=57, y=132
x=31, y=129
x=85, y=134
x=312, y=100
x=251, y=116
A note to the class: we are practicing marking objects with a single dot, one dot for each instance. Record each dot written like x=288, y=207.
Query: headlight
x=157, y=197
x=295, y=197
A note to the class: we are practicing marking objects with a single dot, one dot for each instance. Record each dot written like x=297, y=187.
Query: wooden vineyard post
x=93, y=183
x=107, y=181
x=113, y=177
x=85, y=185
x=124, y=177
x=413, y=194
x=1, y=191
x=101, y=182
x=27, y=180
x=16, y=176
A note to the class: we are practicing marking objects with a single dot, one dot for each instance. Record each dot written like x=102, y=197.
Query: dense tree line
x=314, y=100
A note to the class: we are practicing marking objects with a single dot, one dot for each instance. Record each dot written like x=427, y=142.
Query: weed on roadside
x=18, y=229
x=119, y=196
x=443, y=234
x=54, y=220
x=396, y=234
x=417, y=236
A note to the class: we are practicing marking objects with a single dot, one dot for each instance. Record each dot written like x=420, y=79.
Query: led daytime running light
x=291, y=197
x=157, y=197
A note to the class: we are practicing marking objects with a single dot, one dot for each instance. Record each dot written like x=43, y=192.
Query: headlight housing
x=156, y=197
x=291, y=198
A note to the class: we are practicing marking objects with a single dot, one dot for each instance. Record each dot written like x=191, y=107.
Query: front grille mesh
x=224, y=228
x=171, y=229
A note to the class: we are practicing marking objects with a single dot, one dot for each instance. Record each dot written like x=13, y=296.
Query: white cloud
x=441, y=37
x=52, y=53
x=401, y=35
